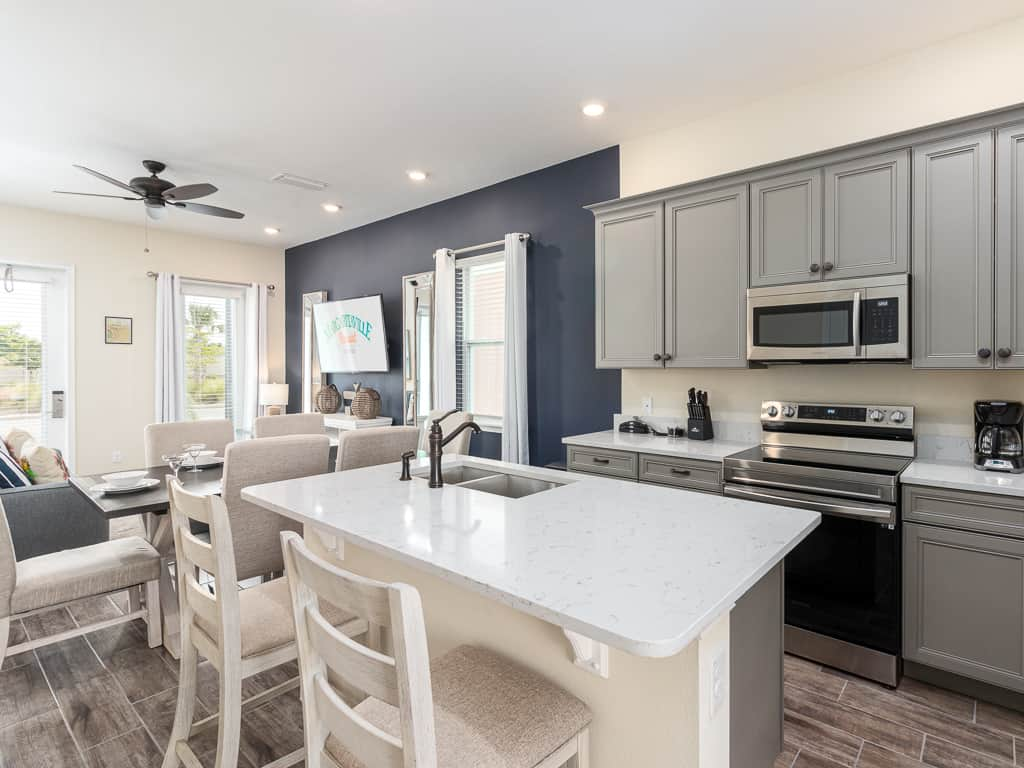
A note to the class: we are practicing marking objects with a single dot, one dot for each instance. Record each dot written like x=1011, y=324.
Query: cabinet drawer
x=685, y=473
x=601, y=462
x=964, y=510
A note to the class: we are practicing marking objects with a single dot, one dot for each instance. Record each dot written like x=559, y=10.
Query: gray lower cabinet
x=694, y=474
x=599, y=461
x=953, y=253
x=630, y=286
x=706, y=260
x=785, y=228
x=867, y=216
x=964, y=603
x=1010, y=247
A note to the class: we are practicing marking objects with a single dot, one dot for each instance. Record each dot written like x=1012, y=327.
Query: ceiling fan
x=158, y=193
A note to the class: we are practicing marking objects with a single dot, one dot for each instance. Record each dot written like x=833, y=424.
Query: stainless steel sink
x=493, y=481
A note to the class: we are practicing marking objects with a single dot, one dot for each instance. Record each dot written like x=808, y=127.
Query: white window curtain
x=444, y=330
x=170, y=349
x=515, y=443
x=255, y=364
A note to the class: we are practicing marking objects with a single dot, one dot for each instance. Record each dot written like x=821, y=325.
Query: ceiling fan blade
x=209, y=210
x=107, y=179
x=189, y=192
x=92, y=194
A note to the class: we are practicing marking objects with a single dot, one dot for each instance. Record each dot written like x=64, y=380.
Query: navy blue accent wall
x=567, y=394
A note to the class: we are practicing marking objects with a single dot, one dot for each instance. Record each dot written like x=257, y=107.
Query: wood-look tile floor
x=835, y=720
x=106, y=700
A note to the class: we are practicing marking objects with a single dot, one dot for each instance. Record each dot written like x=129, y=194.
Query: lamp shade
x=273, y=394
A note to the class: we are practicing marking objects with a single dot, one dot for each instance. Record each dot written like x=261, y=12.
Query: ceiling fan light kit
x=156, y=193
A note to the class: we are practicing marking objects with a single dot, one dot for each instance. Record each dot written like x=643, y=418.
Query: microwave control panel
x=880, y=321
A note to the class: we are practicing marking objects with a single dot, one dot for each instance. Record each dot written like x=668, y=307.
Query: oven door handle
x=875, y=514
x=796, y=487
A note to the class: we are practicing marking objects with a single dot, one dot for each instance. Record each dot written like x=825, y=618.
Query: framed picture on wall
x=118, y=330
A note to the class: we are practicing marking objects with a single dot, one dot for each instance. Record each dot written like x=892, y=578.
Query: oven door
x=843, y=580
x=813, y=326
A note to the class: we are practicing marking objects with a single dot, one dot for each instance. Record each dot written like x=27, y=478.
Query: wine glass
x=193, y=450
x=174, y=461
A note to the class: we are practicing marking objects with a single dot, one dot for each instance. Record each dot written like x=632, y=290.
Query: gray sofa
x=51, y=517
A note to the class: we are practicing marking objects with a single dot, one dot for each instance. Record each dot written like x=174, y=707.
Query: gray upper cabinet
x=1009, y=352
x=785, y=228
x=867, y=216
x=630, y=285
x=963, y=603
x=706, y=278
x=953, y=253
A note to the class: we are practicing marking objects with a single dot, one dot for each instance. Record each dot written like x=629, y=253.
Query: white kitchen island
x=634, y=583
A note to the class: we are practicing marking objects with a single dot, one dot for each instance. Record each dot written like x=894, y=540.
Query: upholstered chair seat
x=289, y=424
x=374, y=445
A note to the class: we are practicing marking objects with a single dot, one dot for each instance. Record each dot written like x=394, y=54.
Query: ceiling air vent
x=299, y=181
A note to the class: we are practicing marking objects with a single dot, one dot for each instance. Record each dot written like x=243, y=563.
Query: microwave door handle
x=856, y=323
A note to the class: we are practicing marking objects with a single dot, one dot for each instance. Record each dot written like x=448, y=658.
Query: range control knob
x=788, y=411
x=898, y=417
x=876, y=415
x=773, y=411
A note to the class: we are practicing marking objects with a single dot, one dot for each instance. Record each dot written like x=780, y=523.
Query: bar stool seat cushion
x=71, y=574
x=265, y=617
x=489, y=712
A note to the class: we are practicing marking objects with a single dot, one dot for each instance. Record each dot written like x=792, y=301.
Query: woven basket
x=328, y=399
x=366, y=403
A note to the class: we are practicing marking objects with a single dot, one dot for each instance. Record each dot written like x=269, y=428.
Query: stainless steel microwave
x=855, y=319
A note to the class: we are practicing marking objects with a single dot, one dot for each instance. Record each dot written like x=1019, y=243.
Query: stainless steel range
x=843, y=581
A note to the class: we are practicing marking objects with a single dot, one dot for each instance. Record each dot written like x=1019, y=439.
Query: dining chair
x=45, y=582
x=241, y=632
x=168, y=437
x=289, y=424
x=375, y=445
x=457, y=447
x=470, y=707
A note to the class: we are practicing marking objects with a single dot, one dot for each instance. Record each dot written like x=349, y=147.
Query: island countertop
x=642, y=568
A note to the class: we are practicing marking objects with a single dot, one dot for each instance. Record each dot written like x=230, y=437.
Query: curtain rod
x=522, y=237
x=270, y=286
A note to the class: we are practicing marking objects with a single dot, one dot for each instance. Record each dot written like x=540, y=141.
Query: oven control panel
x=775, y=412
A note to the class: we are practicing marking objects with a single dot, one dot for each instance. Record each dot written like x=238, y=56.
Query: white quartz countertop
x=641, y=568
x=612, y=439
x=961, y=476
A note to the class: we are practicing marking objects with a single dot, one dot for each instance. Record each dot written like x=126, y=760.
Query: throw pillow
x=42, y=464
x=11, y=473
x=16, y=439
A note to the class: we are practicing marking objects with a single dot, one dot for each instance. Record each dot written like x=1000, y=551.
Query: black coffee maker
x=997, y=435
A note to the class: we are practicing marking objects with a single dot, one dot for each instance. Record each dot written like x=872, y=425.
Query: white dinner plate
x=110, y=490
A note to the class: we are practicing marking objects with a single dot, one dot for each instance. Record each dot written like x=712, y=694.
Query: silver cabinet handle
x=879, y=514
x=984, y=353
x=596, y=460
x=1004, y=352
x=683, y=472
x=828, y=266
x=815, y=267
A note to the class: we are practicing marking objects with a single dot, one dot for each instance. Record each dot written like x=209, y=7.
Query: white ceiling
x=354, y=92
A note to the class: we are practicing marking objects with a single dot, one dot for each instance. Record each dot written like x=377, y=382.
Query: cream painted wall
x=113, y=386
x=958, y=77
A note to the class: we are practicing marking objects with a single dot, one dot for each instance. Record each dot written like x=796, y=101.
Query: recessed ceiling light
x=593, y=109
x=331, y=207
x=417, y=175
x=271, y=230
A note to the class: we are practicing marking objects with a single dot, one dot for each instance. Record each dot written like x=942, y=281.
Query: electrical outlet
x=719, y=685
x=648, y=405
x=115, y=457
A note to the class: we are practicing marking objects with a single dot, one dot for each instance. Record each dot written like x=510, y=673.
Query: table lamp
x=273, y=397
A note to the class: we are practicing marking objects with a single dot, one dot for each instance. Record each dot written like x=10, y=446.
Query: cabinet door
x=867, y=216
x=953, y=253
x=706, y=279
x=964, y=603
x=1010, y=247
x=630, y=283
x=785, y=229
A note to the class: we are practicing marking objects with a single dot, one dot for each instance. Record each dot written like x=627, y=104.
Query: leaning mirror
x=312, y=378
x=417, y=345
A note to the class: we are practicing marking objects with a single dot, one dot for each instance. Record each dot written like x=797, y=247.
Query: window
x=480, y=338
x=33, y=353
x=213, y=351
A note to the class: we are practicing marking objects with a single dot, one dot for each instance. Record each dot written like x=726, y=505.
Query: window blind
x=23, y=369
x=480, y=338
